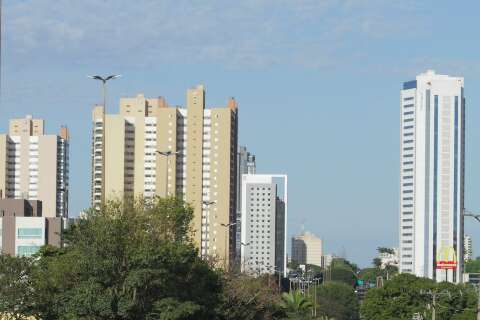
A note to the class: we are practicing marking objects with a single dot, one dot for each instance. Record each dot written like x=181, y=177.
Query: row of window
x=29, y=233
x=27, y=250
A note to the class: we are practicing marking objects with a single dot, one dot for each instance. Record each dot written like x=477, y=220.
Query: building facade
x=23, y=229
x=307, y=249
x=34, y=165
x=245, y=165
x=152, y=149
x=327, y=260
x=432, y=175
x=468, y=251
x=264, y=216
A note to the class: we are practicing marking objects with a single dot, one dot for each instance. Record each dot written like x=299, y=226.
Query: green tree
x=296, y=306
x=406, y=295
x=369, y=274
x=473, y=266
x=131, y=260
x=338, y=301
x=377, y=262
x=16, y=294
x=385, y=250
x=248, y=298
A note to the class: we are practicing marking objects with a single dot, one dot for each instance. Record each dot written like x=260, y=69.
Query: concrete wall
x=47, y=174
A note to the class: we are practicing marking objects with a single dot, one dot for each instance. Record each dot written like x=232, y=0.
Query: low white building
x=327, y=260
x=389, y=258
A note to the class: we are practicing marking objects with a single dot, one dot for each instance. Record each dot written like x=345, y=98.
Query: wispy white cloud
x=246, y=33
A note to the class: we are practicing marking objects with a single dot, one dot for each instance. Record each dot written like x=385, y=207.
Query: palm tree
x=295, y=305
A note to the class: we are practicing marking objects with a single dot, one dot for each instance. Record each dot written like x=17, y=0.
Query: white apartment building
x=432, y=175
x=34, y=165
x=264, y=224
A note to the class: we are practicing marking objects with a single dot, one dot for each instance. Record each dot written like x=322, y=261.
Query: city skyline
x=346, y=106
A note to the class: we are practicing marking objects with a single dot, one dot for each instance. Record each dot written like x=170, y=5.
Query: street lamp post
x=104, y=85
x=245, y=245
x=227, y=229
x=277, y=270
x=467, y=213
x=167, y=155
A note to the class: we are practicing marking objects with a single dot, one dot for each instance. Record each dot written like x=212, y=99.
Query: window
x=29, y=233
x=407, y=113
x=27, y=250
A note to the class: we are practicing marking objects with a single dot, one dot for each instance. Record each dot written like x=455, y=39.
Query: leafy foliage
x=16, y=294
x=473, y=266
x=129, y=261
x=295, y=305
x=247, y=298
x=338, y=301
x=385, y=250
x=406, y=295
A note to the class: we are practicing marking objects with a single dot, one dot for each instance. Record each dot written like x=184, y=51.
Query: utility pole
x=434, y=294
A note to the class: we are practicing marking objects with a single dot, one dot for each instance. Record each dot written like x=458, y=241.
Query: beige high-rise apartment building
x=307, y=249
x=34, y=166
x=152, y=149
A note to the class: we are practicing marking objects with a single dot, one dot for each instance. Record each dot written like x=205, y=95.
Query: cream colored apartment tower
x=34, y=166
x=307, y=249
x=201, y=168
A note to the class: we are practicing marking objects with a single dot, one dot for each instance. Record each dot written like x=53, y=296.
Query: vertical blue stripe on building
x=455, y=178
x=427, y=175
x=435, y=173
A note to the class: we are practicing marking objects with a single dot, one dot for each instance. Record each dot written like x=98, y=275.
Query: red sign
x=446, y=265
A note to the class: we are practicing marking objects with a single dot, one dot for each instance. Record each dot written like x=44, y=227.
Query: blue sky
x=317, y=83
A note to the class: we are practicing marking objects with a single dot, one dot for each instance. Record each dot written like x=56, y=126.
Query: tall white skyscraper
x=432, y=175
x=264, y=223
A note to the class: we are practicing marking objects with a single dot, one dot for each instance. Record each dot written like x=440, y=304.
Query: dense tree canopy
x=16, y=295
x=407, y=295
x=473, y=266
x=338, y=301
